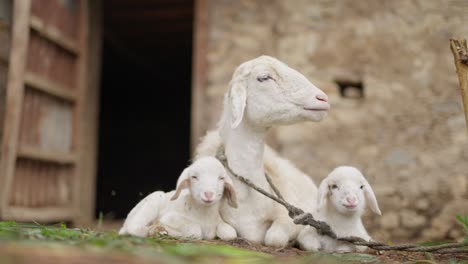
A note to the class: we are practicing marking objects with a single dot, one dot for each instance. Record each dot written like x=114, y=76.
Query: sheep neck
x=244, y=147
x=343, y=225
x=200, y=211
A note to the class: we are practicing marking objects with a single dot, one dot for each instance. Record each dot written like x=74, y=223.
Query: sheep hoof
x=157, y=230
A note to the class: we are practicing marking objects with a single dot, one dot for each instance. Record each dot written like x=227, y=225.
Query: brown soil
x=38, y=254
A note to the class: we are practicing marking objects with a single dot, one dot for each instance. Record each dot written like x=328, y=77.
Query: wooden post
x=199, y=70
x=460, y=55
x=14, y=97
x=89, y=121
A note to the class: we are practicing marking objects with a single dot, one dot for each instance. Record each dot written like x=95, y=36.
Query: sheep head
x=207, y=182
x=347, y=190
x=267, y=92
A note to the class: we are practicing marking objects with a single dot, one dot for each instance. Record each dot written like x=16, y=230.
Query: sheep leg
x=142, y=215
x=225, y=231
x=250, y=229
x=180, y=226
x=308, y=239
x=279, y=232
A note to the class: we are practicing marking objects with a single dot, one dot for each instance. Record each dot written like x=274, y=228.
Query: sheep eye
x=221, y=178
x=194, y=177
x=264, y=78
x=362, y=187
x=334, y=186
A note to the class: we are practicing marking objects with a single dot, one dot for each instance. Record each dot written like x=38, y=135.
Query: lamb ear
x=323, y=192
x=238, y=100
x=371, y=200
x=182, y=183
x=229, y=192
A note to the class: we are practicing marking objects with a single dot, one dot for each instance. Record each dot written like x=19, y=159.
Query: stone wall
x=407, y=133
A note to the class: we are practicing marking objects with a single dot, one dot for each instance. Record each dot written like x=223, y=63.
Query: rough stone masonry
x=396, y=107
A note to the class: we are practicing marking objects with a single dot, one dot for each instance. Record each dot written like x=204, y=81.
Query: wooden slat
x=41, y=214
x=53, y=34
x=14, y=100
x=87, y=168
x=199, y=70
x=4, y=43
x=35, y=81
x=48, y=156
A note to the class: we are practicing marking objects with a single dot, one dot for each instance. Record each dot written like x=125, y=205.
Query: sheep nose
x=322, y=97
x=209, y=195
x=351, y=200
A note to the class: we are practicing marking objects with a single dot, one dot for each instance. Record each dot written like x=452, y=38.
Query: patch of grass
x=463, y=220
x=163, y=246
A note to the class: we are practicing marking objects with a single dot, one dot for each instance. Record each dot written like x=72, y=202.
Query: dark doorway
x=144, y=128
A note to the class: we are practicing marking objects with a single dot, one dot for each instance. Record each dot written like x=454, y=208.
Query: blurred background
x=102, y=101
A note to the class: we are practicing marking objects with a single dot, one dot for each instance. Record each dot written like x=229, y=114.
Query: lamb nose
x=351, y=200
x=322, y=98
x=209, y=195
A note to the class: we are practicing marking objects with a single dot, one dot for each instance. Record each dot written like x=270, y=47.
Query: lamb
x=192, y=213
x=341, y=203
x=263, y=93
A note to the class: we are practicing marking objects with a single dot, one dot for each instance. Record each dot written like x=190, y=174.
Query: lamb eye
x=334, y=186
x=264, y=78
x=362, y=187
x=221, y=178
x=194, y=177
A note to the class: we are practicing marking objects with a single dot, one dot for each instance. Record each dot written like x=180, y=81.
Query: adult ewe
x=263, y=93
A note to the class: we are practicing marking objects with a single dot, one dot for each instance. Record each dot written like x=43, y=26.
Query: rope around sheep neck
x=302, y=218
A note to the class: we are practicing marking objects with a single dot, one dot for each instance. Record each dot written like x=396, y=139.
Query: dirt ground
x=38, y=254
x=33, y=243
x=384, y=256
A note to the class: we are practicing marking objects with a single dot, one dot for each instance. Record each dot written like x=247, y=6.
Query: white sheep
x=264, y=92
x=192, y=210
x=341, y=203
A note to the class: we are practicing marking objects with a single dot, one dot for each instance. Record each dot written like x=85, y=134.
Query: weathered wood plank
x=90, y=119
x=36, y=81
x=460, y=54
x=81, y=122
x=15, y=90
x=199, y=71
x=4, y=44
x=41, y=214
x=53, y=34
x=49, y=156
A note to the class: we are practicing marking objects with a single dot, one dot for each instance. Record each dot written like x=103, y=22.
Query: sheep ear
x=238, y=99
x=371, y=200
x=182, y=183
x=323, y=192
x=229, y=192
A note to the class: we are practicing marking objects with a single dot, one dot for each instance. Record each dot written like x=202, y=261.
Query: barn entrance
x=144, y=127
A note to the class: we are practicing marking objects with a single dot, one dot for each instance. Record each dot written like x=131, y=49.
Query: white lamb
x=192, y=210
x=341, y=203
x=264, y=92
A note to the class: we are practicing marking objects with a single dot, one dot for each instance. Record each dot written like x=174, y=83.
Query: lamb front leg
x=280, y=232
x=179, y=226
x=225, y=231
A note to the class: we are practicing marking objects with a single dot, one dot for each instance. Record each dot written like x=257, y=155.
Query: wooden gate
x=41, y=165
